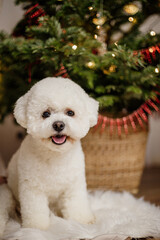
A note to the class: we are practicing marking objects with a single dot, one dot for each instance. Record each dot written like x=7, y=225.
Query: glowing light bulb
x=152, y=33
x=130, y=19
x=74, y=47
x=95, y=36
x=91, y=64
x=150, y=50
x=90, y=8
x=98, y=27
x=156, y=70
x=113, y=55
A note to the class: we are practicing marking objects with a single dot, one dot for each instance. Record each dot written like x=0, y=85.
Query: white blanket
x=117, y=215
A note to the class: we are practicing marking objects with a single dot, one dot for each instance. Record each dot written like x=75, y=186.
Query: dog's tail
x=7, y=205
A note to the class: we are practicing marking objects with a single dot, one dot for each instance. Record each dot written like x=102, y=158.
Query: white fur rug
x=117, y=214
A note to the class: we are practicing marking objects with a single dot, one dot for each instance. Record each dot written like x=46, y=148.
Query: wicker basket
x=112, y=162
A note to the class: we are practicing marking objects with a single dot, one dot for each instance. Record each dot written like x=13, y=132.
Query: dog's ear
x=20, y=110
x=92, y=108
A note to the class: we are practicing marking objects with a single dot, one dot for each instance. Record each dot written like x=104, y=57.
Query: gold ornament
x=100, y=19
x=111, y=69
x=131, y=8
x=106, y=72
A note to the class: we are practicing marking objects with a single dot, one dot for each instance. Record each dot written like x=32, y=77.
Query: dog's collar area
x=59, y=139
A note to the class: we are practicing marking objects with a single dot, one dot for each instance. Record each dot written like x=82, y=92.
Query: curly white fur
x=42, y=173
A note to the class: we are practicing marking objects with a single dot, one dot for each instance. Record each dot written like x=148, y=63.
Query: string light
x=156, y=70
x=152, y=33
x=90, y=8
x=113, y=55
x=130, y=19
x=95, y=36
x=90, y=64
x=150, y=50
x=98, y=27
x=74, y=47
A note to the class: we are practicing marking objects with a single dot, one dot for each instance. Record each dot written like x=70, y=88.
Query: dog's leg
x=76, y=206
x=7, y=205
x=34, y=209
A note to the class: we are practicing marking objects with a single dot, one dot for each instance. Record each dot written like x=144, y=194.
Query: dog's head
x=56, y=111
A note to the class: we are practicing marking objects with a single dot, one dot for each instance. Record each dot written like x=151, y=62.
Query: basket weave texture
x=112, y=162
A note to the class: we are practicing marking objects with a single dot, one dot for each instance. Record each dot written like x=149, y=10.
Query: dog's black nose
x=58, y=126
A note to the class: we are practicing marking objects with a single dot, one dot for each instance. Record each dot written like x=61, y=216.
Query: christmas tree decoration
x=131, y=19
x=152, y=33
x=156, y=70
x=33, y=13
x=62, y=72
x=91, y=65
x=100, y=20
x=80, y=44
x=98, y=27
x=131, y=8
x=90, y=8
x=138, y=117
x=150, y=54
x=74, y=47
x=105, y=71
x=112, y=68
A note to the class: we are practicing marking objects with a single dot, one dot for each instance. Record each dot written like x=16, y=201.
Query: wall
x=9, y=132
x=9, y=15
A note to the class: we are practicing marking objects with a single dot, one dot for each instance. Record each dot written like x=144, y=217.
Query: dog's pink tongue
x=59, y=139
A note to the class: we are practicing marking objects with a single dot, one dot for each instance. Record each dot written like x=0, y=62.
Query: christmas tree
x=96, y=43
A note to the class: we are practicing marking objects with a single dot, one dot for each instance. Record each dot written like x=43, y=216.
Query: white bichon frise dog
x=49, y=166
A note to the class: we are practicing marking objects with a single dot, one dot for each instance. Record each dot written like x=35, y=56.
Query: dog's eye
x=46, y=114
x=70, y=113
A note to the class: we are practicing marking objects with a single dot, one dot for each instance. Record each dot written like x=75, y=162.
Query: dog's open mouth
x=59, y=139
